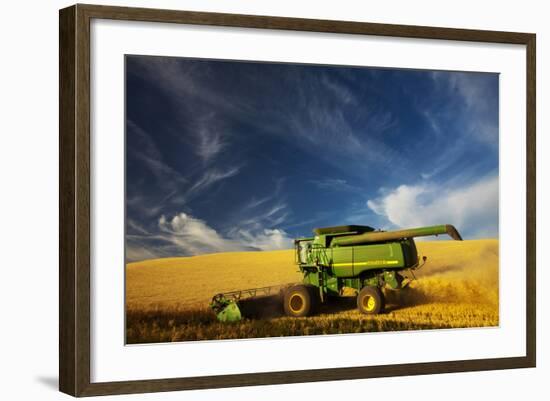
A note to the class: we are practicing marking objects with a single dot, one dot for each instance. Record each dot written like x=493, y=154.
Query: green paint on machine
x=343, y=258
x=231, y=313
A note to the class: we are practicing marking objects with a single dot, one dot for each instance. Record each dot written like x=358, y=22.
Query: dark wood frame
x=74, y=200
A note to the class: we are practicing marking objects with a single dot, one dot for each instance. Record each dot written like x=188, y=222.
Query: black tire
x=370, y=301
x=298, y=301
x=315, y=298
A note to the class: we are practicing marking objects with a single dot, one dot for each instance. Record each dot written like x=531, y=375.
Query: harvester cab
x=342, y=261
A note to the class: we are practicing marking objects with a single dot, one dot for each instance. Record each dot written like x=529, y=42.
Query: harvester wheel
x=370, y=300
x=298, y=301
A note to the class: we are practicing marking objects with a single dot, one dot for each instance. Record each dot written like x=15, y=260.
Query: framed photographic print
x=236, y=185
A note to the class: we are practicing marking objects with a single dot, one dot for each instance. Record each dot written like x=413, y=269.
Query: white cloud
x=186, y=235
x=265, y=240
x=472, y=208
x=194, y=236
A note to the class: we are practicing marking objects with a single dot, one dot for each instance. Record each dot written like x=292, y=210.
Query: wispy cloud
x=189, y=84
x=476, y=105
x=210, y=144
x=207, y=179
x=210, y=177
x=334, y=184
x=209, y=132
x=137, y=249
x=135, y=228
x=255, y=202
x=145, y=149
x=324, y=111
x=174, y=186
x=273, y=197
x=153, y=204
x=433, y=121
x=321, y=126
x=269, y=216
x=326, y=120
x=339, y=89
x=162, y=171
x=305, y=225
x=472, y=208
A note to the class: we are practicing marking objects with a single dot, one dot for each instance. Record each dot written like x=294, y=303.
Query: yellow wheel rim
x=297, y=303
x=369, y=303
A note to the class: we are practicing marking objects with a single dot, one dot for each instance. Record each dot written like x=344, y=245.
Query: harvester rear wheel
x=370, y=300
x=298, y=301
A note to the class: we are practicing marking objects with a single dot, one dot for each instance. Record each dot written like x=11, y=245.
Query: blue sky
x=228, y=156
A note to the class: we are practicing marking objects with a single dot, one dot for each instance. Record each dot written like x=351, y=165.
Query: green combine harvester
x=339, y=261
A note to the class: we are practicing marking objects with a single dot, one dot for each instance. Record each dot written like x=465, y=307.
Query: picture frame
x=75, y=199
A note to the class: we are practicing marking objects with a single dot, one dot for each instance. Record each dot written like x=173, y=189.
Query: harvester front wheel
x=370, y=300
x=298, y=301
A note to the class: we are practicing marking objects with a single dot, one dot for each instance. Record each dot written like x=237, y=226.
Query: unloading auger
x=339, y=260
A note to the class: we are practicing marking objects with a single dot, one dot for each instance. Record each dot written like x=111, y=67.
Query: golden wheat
x=167, y=298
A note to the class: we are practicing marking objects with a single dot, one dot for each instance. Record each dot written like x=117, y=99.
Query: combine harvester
x=338, y=261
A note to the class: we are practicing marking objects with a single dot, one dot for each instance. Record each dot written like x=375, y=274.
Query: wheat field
x=167, y=299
